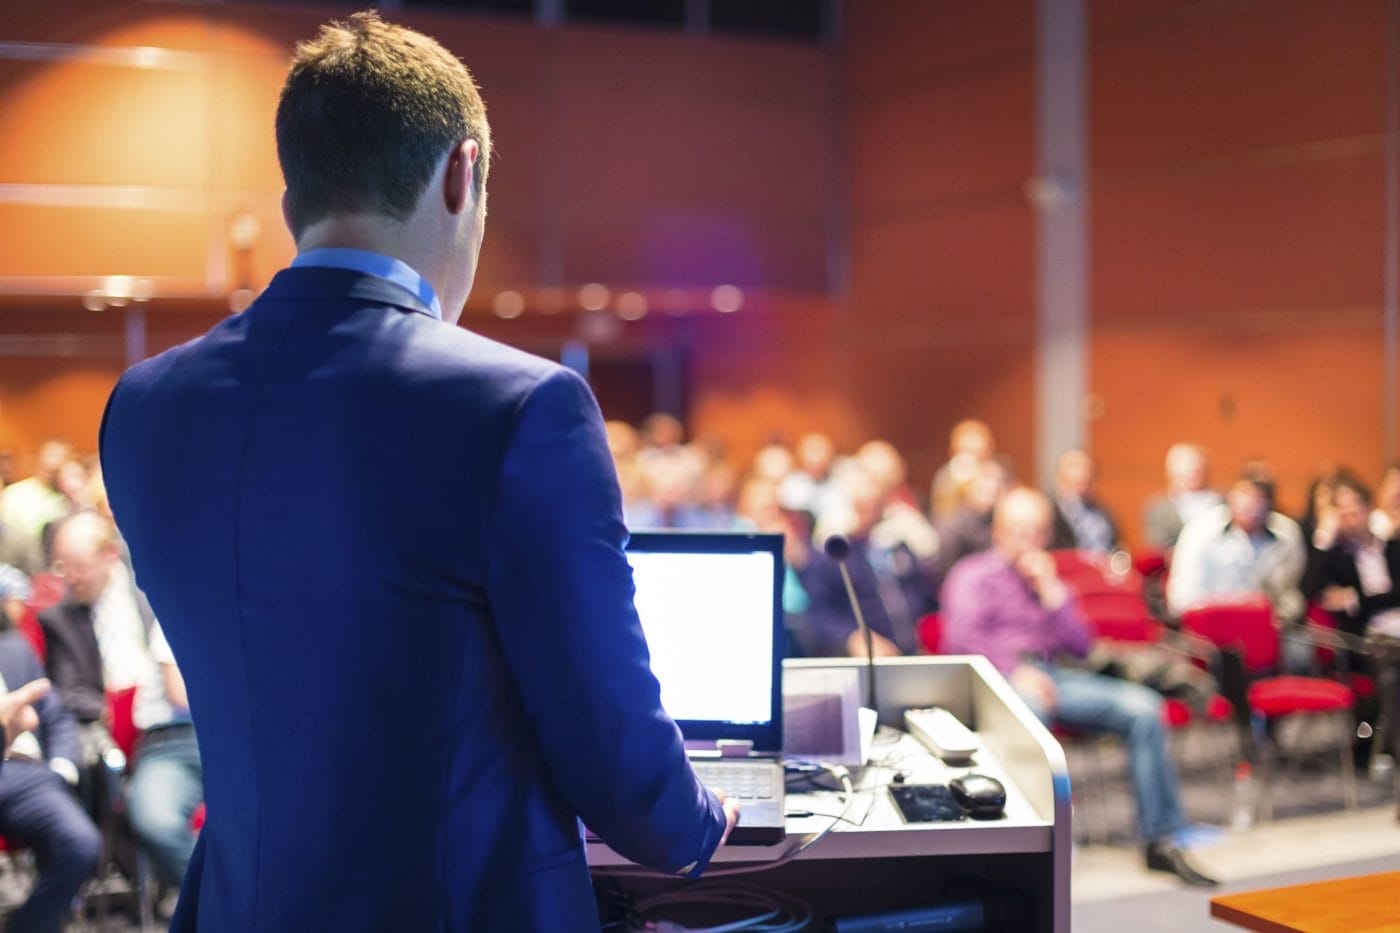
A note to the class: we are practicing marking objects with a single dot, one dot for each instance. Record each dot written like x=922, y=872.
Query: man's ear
x=460, y=174
x=286, y=211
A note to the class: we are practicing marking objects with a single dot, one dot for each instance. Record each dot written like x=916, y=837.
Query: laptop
x=712, y=612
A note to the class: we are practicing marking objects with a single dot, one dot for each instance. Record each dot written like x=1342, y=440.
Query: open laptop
x=711, y=608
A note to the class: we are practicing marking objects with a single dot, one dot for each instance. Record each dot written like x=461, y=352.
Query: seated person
x=1242, y=550
x=15, y=593
x=967, y=529
x=894, y=588
x=1355, y=575
x=1385, y=519
x=1081, y=521
x=38, y=808
x=1187, y=495
x=101, y=637
x=970, y=443
x=19, y=550
x=1008, y=604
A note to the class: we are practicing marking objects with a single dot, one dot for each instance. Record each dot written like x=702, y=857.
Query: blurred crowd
x=1220, y=544
x=965, y=565
x=110, y=778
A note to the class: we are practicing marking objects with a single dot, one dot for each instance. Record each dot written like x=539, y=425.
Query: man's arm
x=57, y=730
x=561, y=592
x=17, y=713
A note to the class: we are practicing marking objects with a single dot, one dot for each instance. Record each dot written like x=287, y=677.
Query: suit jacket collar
x=313, y=283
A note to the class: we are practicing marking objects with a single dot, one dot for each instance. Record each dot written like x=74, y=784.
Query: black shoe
x=1163, y=856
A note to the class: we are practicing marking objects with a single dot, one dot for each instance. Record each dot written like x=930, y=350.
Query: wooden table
x=1365, y=904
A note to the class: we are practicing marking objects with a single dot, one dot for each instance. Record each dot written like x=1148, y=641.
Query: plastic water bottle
x=1242, y=813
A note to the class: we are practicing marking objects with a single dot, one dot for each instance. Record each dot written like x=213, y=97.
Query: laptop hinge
x=734, y=748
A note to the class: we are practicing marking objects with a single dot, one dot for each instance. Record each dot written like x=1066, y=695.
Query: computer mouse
x=981, y=796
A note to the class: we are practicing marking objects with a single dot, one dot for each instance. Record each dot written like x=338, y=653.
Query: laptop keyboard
x=758, y=781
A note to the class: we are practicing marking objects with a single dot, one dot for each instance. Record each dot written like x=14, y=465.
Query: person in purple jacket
x=1008, y=604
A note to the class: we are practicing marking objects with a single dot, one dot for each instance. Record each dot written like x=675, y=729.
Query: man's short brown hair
x=367, y=112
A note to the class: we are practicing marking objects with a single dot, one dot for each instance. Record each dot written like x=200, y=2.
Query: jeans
x=1134, y=712
x=166, y=788
x=38, y=810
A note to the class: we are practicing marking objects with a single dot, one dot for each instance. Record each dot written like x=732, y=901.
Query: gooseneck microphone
x=838, y=548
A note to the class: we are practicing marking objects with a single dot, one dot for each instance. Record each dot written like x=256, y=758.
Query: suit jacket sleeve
x=57, y=732
x=80, y=683
x=561, y=594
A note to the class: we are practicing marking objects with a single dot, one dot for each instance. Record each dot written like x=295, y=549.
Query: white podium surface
x=1029, y=845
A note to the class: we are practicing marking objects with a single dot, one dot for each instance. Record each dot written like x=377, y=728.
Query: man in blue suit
x=388, y=556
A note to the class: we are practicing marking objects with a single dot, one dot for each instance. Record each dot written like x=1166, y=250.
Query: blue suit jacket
x=388, y=556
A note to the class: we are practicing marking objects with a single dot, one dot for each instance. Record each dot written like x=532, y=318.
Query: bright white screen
x=708, y=620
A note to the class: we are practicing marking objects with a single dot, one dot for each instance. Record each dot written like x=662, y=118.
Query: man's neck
x=373, y=234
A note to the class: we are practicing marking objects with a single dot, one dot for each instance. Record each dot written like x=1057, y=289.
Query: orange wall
x=1237, y=223
x=635, y=158
x=1235, y=213
x=939, y=144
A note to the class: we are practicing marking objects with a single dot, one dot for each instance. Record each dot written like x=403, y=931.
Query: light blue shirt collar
x=375, y=264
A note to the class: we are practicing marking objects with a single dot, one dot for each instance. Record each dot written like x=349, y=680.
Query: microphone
x=838, y=548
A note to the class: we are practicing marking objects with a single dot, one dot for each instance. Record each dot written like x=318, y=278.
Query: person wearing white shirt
x=1242, y=550
x=104, y=638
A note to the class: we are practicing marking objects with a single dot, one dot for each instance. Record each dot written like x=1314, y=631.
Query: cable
x=776, y=913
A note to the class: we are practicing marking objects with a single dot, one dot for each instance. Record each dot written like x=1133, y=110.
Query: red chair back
x=120, y=705
x=48, y=591
x=1088, y=573
x=1149, y=561
x=931, y=633
x=29, y=627
x=1120, y=616
x=1247, y=627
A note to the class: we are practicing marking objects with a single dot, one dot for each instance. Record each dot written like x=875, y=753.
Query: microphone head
x=837, y=547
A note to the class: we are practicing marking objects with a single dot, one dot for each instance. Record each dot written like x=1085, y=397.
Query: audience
x=1187, y=495
x=1355, y=575
x=813, y=486
x=38, y=808
x=1244, y=550
x=1385, y=519
x=892, y=585
x=967, y=528
x=969, y=443
x=1001, y=598
x=1008, y=604
x=1081, y=522
x=19, y=550
x=30, y=504
x=103, y=636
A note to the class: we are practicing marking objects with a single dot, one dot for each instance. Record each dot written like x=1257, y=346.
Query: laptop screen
x=711, y=609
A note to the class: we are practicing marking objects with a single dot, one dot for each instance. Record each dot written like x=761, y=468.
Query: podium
x=873, y=862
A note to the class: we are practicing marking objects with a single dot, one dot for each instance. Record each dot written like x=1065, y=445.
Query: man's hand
x=1038, y=568
x=1339, y=599
x=17, y=714
x=731, y=814
x=882, y=646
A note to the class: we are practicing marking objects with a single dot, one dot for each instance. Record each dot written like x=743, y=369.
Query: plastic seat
x=1248, y=628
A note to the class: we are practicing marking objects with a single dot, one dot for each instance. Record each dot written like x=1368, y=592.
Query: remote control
x=941, y=733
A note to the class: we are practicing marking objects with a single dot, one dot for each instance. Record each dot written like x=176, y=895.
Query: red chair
x=1248, y=627
x=34, y=633
x=1149, y=562
x=930, y=630
x=1125, y=618
x=48, y=591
